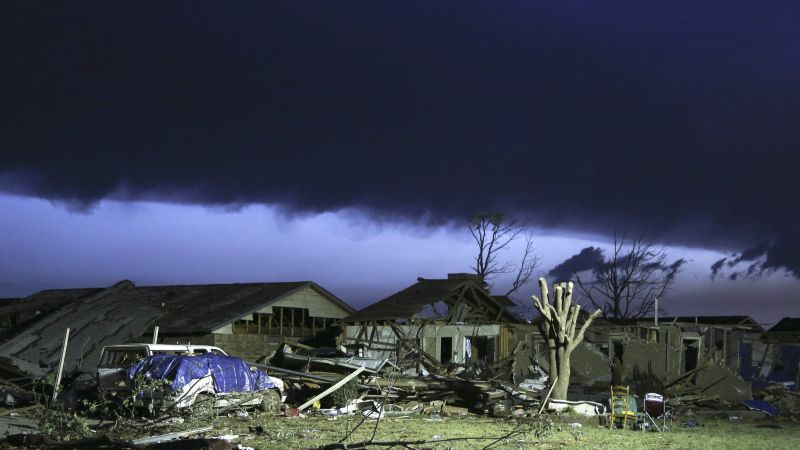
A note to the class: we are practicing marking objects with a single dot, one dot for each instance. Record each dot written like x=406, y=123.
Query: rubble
x=786, y=401
x=295, y=356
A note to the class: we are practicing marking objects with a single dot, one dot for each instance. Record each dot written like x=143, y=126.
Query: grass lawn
x=265, y=431
x=311, y=432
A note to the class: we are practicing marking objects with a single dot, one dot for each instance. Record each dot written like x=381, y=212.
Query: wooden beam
x=61, y=364
x=302, y=324
x=550, y=391
x=331, y=389
x=169, y=437
x=281, y=322
x=725, y=348
x=373, y=334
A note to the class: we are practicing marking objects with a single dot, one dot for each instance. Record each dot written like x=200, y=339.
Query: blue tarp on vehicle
x=229, y=374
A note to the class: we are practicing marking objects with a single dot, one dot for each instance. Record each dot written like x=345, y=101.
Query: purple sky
x=357, y=258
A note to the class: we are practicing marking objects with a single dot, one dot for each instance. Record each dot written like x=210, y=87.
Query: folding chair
x=655, y=409
x=620, y=405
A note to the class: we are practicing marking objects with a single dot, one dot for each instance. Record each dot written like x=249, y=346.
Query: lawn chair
x=655, y=409
x=620, y=405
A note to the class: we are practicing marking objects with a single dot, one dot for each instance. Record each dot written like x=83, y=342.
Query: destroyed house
x=682, y=342
x=435, y=322
x=713, y=352
x=639, y=351
x=247, y=320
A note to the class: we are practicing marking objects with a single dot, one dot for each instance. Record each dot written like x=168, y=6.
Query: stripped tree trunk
x=560, y=324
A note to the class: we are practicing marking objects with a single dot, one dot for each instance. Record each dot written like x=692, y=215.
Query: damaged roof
x=124, y=312
x=44, y=301
x=786, y=325
x=113, y=315
x=410, y=302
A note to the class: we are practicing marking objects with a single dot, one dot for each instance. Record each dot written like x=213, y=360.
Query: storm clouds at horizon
x=676, y=119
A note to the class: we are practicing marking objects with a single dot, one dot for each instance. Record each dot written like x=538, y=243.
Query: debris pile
x=787, y=402
x=477, y=387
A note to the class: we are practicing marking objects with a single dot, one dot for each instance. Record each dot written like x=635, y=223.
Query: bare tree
x=627, y=284
x=559, y=325
x=493, y=234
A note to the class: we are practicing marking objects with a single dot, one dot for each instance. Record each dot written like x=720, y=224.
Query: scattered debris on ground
x=332, y=384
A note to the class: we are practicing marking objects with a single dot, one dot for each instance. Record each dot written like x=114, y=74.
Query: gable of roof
x=407, y=303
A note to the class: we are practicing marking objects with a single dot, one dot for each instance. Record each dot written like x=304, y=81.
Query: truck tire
x=270, y=402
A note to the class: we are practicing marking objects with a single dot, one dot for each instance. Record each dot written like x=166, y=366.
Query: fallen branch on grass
x=517, y=431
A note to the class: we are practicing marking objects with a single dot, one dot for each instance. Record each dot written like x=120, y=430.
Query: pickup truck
x=195, y=374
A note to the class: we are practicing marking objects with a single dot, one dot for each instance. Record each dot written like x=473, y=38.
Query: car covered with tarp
x=221, y=380
x=115, y=359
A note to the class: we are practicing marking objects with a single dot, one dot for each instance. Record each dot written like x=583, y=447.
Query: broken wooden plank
x=331, y=389
x=544, y=403
x=61, y=364
x=169, y=436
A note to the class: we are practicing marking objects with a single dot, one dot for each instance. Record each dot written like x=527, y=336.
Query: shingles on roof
x=407, y=303
x=786, y=325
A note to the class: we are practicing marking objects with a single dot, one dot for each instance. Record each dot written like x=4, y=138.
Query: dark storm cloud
x=590, y=258
x=671, y=270
x=678, y=118
x=717, y=267
x=784, y=255
x=750, y=254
